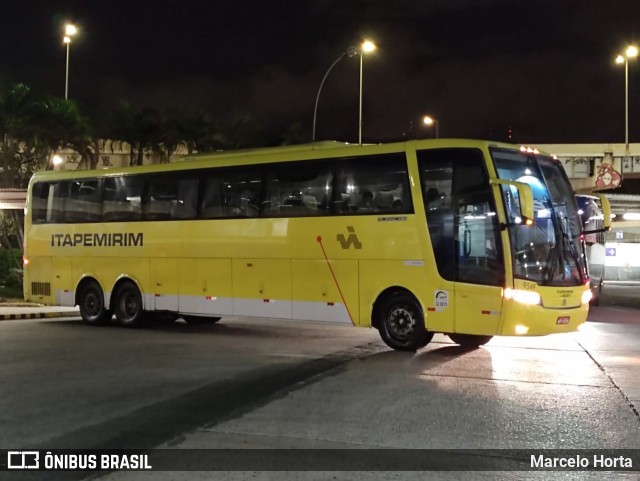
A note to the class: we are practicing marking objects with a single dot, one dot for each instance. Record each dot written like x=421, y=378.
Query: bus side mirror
x=606, y=210
x=525, y=196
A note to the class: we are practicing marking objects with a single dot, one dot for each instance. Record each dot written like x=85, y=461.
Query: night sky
x=544, y=67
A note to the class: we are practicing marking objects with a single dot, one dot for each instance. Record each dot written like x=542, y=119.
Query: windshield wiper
x=564, y=244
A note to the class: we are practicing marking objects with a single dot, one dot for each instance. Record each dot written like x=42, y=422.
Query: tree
x=137, y=128
x=199, y=133
x=31, y=129
x=168, y=136
x=18, y=152
x=240, y=133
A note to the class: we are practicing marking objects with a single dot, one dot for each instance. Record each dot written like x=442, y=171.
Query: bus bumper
x=534, y=320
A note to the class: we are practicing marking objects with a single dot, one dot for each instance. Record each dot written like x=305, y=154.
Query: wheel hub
x=401, y=323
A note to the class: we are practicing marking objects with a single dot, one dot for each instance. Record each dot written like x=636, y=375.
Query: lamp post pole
x=366, y=47
x=69, y=31
x=630, y=52
x=66, y=76
x=360, y=104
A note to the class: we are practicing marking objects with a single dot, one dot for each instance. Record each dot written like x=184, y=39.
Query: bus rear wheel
x=92, y=308
x=128, y=305
x=401, y=323
x=470, y=340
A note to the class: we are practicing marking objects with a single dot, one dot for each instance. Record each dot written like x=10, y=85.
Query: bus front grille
x=41, y=288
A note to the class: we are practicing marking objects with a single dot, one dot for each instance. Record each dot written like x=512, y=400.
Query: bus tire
x=128, y=305
x=195, y=320
x=470, y=340
x=91, y=303
x=401, y=323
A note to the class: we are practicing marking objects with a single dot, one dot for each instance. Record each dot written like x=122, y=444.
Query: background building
x=615, y=171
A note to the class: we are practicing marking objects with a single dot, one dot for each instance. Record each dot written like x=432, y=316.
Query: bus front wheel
x=401, y=323
x=92, y=308
x=470, y=340
x=128, y=305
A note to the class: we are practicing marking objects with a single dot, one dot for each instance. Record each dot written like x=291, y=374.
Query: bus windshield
x=549, y=252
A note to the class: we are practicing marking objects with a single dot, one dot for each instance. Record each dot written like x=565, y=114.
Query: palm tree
x=137, y=128
x=169, y=136
x=240, y=133
x=31, y=129
x=198, y=132
x=61, y=125
x=16, y=113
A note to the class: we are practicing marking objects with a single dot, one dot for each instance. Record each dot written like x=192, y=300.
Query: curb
x=38, y=315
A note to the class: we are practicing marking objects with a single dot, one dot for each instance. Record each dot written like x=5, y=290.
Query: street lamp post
x=366, y=47
x=69, y=31
x=630, y=52
x=349, y=52
x=429, y=121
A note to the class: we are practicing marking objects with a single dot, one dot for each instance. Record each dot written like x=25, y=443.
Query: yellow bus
x=468, y=238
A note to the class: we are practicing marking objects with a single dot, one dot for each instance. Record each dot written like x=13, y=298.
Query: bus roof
x=323, y=149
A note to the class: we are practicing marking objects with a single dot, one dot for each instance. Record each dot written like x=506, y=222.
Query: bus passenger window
x=373, y=185
x=231, y=193
x=301, y=192
x=122, y=198
x=59, y=201
x=40, y=196
x=187, y=199
x=83, y=204
x=162, y=198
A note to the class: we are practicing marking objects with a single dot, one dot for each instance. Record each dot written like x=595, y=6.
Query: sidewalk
x=12, y=312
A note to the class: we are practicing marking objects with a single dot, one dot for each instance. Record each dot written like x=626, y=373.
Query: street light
x=367, y=47
x=630, y=52
x=69, y=31
x=429, y=121
x=56, y=160
x=349, y=52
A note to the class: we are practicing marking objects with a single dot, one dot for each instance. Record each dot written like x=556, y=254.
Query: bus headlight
x=586, y=296
x=521, y=329
x=523, y=297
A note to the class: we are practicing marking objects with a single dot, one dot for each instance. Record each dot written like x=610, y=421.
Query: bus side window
x=376, y=184
x=231, y=193
x=83, y=204
x=122, y=198
x=212, y=205
x=59, y=201
x=301, y=192
x=161, y=199
x=40, y=199
x=437, y=185
x=187, y=199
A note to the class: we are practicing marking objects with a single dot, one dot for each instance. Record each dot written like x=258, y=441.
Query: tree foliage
x=33, y=128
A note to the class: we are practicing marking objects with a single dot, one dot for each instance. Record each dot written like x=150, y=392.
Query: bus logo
x=351, y=240
x=23, y=460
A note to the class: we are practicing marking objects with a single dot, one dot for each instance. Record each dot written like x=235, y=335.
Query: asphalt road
x=280, y=384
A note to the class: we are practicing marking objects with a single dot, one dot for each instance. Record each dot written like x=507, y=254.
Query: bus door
x=479, y=266
x=464, y=233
